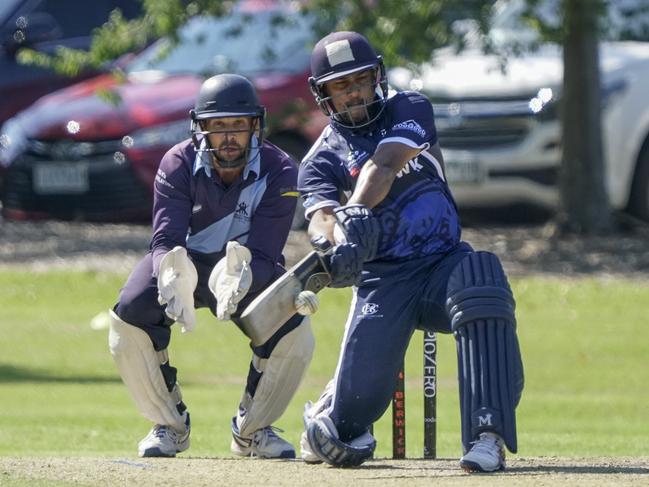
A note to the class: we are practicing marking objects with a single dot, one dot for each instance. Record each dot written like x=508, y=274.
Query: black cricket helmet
x=221, y=96
x=340, y=54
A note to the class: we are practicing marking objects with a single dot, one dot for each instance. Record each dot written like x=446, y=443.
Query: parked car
x=500, y=131
x=45, y=25
x=90, y=151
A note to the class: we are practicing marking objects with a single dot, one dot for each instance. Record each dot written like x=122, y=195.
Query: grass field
x=584, y=345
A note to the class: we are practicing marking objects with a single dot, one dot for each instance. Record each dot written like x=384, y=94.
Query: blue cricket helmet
x=340, y=54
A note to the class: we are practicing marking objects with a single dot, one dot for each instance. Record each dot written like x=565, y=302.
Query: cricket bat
x=276, y=304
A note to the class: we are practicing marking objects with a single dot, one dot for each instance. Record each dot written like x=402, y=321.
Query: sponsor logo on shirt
x=412, y=126
x=355, y=160
x=196, y=208
x=161, y=178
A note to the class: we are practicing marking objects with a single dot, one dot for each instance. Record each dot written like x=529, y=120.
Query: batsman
x=223, y=205
x=374, y=186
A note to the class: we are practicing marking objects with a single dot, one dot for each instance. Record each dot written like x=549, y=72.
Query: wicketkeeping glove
x=231, y=279
x=177, y=280
x=360, y=228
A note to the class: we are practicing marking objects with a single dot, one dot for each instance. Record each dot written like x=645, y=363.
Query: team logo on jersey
x=412, y=165
x=412, y=126
x=241, y=213
x=369, y=308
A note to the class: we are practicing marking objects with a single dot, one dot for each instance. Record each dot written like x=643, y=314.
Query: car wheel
x=639, y=199
x=296, y=147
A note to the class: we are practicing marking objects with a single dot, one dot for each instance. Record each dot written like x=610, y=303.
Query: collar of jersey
x=203, y=161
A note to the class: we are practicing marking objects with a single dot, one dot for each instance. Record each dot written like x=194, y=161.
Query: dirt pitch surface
x=188, y=472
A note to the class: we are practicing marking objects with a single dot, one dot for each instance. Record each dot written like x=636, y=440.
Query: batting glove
x=361, y=228
x=346, y=265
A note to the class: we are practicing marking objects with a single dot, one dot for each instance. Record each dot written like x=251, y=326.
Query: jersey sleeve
x=271, y=224
x=172, y=205
x=318, y=183
x=413, y=121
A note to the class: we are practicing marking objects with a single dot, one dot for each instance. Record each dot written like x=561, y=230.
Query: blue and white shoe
x=486, y=455
x=164, y=441
x=264, y=443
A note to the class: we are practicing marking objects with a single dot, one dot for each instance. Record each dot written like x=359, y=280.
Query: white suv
x=499, y=129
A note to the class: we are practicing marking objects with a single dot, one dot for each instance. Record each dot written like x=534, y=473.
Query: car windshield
x=243, y=43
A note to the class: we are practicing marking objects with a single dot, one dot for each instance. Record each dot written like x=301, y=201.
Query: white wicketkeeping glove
x=177, y=280
x=231, y=279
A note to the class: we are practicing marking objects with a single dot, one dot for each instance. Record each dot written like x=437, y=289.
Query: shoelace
x=267, y=432
x=160, y=431
x=485, y=444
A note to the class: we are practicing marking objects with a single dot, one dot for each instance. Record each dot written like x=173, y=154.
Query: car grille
x=476, y=124
x=70, y=150
x=114, y=191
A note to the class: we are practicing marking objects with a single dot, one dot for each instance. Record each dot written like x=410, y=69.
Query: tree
x=584, y=201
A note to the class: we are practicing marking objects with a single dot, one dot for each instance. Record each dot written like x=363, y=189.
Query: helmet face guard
x=343, y=115
x=201, y=140
x=341, y=54
x=227, y=96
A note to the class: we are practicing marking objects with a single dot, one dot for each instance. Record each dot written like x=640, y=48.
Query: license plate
x=468, y=171
x=60, y=178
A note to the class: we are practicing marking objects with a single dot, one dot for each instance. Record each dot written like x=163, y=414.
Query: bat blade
x=276, y=304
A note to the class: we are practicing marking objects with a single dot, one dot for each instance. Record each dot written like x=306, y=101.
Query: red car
x=91, y=151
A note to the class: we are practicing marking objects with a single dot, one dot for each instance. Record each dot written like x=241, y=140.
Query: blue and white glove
x=360, y=228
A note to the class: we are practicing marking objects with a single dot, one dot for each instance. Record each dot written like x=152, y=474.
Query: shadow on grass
x=12, y=374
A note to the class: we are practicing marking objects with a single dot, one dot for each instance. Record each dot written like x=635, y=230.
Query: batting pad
x=282, y=374
x=139, y=366
x=481, y=306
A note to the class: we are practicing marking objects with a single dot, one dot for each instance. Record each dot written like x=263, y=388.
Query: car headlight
x=13, y=141
x=165, y=135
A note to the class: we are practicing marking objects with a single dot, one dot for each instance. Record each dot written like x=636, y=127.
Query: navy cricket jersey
x=418, y=216
x=194, y=209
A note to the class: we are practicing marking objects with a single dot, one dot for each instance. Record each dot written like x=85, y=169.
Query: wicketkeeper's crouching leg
x=151, y=382
x=276, y=371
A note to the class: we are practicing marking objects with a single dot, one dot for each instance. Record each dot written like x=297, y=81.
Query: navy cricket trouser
x=384, y=313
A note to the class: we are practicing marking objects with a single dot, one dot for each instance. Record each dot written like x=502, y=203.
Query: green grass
x=584, y=346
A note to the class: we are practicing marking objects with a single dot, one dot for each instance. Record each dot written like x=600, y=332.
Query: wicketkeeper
x=223, y=205
x=374, y=185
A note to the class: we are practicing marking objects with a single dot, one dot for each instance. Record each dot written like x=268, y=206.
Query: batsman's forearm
x=322, y=223
x=374, y=183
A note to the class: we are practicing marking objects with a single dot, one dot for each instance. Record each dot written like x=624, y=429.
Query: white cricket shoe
x=305, y=451
x=486, y=455
x=164, y=441
x=264, y=443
